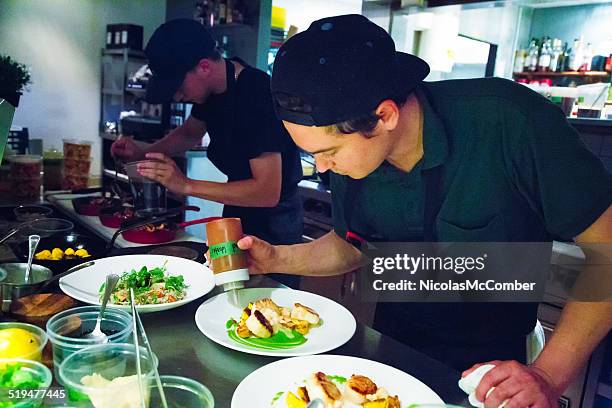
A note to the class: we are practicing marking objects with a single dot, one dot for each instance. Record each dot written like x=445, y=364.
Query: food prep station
x=196, y=356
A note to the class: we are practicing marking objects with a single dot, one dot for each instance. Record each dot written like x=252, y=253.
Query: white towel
x=470, y=382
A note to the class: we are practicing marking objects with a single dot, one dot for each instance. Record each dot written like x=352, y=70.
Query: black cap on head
x=173, y=50
x=340, y=68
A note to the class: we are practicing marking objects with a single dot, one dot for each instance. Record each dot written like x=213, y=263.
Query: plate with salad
x=160, y=282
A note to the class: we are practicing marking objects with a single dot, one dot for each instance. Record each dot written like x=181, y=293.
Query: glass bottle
x=557, y=52
x=545, y=55
x=533, y=54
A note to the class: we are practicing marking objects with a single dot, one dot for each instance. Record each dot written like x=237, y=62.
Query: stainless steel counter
x=183, y=350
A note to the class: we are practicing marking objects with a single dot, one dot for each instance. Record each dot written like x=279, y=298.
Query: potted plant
x=14, y=79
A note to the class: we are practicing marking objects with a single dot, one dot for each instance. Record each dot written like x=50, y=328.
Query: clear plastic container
x=107, y=375
x=37, y=371
x=77, y=149
x=74, y=181
x=77, y=167
x=65, y=330
x=181, y=392
x=28, y=346
x=149, y=196
x=26, y=167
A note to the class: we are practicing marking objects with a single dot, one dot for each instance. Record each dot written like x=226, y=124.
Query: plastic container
x=16, y=339
x=74, y=181
x=25, y=213
x=228, y=262
x=149, y=196
x=112, y=362
x=26, y=166
x=26, y=400
x=66, y=328
x=77, y=166
x=181, y=392
x=592, y=98
x=77, y=149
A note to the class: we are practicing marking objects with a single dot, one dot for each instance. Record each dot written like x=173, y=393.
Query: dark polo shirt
x=512, y=169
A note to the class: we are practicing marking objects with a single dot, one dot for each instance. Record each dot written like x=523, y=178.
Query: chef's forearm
x=327, y=256
x=176, y=142
x=580, y=329
x=243, y=193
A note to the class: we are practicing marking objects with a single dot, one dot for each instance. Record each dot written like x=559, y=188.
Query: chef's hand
x=125, y=148
x=522, y=386
x=163, y=169
x=261, y=255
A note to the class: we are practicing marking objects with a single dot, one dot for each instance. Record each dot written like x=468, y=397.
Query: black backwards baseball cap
x=173, y=50
x=340, y=68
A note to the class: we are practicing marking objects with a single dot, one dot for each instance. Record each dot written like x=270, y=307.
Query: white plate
x=83, y=285
x=260, y=387
x=338, y=323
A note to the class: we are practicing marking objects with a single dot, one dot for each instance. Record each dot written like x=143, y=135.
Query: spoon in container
x=109, y=286
x=33, y=241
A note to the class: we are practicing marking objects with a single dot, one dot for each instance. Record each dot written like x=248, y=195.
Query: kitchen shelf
x=120, y=52
x=562, y=74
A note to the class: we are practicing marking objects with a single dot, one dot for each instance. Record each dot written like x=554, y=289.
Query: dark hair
x=214, y=54
x=365, y=123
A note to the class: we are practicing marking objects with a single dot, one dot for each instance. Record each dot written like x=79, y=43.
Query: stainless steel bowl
x=13, y=285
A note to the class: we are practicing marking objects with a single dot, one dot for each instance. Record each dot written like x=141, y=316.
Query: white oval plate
x=260, y=387
x=83, y=285
x=338, y=323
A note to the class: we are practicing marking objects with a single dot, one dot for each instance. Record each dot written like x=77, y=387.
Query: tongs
x=137, y=324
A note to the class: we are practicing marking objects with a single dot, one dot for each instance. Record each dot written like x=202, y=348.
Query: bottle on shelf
x=577, y=55
x=545, y=56
x=587, y=58
x=222, y=11
x=519, y=60
x=533, y=54
x=565, y=58
x=557, y=53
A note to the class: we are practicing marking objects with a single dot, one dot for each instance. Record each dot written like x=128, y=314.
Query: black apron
x=279, y=225
x=435, y=328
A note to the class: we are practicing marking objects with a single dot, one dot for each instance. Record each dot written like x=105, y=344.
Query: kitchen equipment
x=57, y=277
x=182, y=391
x=228, y=262
x=48, y=227
x=259, y=387
x=13, y=286
x=96, y=334
x=92, y=206
x=38, y=308
x=137, y=324
x=84, y=285
x=111, y=361
x=66, y=329
x=338, y=324
x=33, y=241
x=113, y=215
x=13, y=339
x=96, y=248
x=26, y=175
x=26, y=397
x=25, y=213
x=153, y=235
x=149, y=196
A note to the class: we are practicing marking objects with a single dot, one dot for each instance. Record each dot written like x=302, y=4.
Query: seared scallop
x=259, y=325
x=318, y=386
x=358, y=387
x=301, y=312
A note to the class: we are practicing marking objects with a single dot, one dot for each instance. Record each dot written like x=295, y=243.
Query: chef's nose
x=323, y=164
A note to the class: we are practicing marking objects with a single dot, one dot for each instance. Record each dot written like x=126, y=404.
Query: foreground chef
x=453, y=161
x=232, y=102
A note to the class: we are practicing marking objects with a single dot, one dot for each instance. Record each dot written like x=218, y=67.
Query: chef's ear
x=388, y=114
x=204, y=67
